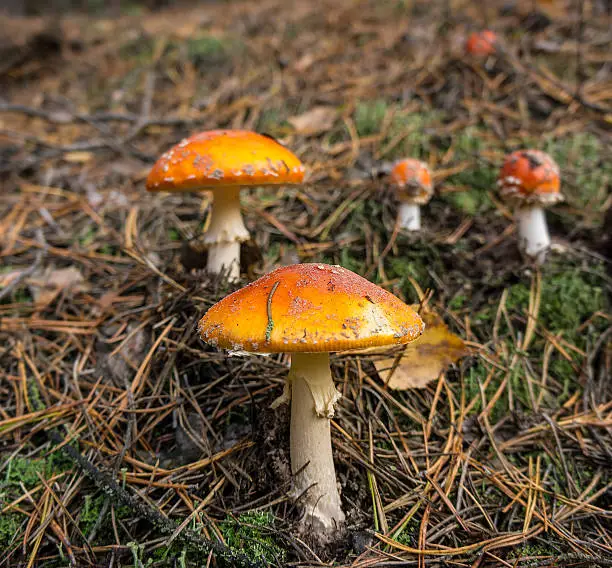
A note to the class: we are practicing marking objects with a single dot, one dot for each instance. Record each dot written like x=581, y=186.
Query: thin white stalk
x=225, y=232
x=409, y=216
x=534, y=239
x=224, y=257
x=312, y=463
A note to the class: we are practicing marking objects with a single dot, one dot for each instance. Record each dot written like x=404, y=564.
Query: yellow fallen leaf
x=426, y=358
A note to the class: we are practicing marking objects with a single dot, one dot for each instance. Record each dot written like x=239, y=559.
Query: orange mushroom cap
x=530, y=176
x=309, y=308
x=224, y=158
x=481, y=43
x=413, y=180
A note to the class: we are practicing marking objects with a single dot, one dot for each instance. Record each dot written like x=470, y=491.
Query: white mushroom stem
x=312, y=463
x=534, y=239
x=409, y=216
x=225, y=233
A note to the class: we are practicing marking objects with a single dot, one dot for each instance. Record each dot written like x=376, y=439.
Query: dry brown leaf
x=316, y=120
x=45, y=286
x=424, y=359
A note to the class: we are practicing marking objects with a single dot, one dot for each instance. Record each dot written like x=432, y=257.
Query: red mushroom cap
x=220, y=158
x=530, y=176
x=481, y=43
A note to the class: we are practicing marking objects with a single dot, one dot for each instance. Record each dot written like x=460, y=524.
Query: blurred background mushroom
x=529, y=181
x=412, y=180
x=482, y=43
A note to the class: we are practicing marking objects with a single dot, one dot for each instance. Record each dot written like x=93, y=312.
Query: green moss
x=568, y=299
x=139, y=49
x=369, y=116
x=586, y=172
x=406, y=134
x=480, y=177
x=26, y=470
x=472, y=379
x=209, y=49
x=174, y=235
x=272, y=121
x=90, y=513
x=532, y=550
x=10, y=529
x=458, y=302
x=350, y=262
x=248, y=534
x=88, y=236
x=419, y=260
x=469, y=202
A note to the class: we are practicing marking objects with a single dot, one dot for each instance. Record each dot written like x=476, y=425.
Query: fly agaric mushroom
x=529, y=180
x=224, y=161
x=309, y=310
x=412, y=179
x=481, y=43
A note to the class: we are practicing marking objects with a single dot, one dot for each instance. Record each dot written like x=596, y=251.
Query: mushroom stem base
x=534, y=240
x=409, y=216
x=224, y=257
x=312, y=462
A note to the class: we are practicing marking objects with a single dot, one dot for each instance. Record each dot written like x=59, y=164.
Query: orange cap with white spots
x=412, y=179
x=224, y=158
x=481, y=43
x=530, y=176
x=309, y=308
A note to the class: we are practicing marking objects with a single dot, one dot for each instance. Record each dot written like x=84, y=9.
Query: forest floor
x=125, y=441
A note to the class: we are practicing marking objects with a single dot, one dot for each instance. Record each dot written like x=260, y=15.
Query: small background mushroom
x=529, y=181
x=412, y=181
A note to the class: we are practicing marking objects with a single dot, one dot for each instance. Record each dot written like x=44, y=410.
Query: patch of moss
x=26, y=470
x=272, y=121
x=568, y=299
x=10, y=525
x=408, y=535
x=419, y=262
x=209, y=49
x=469, y=202
x=472, y=379
x=458, y=302
x=139, y=49
x=480, y=178
x=531, y=550
x=174, y=235
x=406, y=134
x=248, y=534
x=583, y=159
x=90, y=513
x=369, y=116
